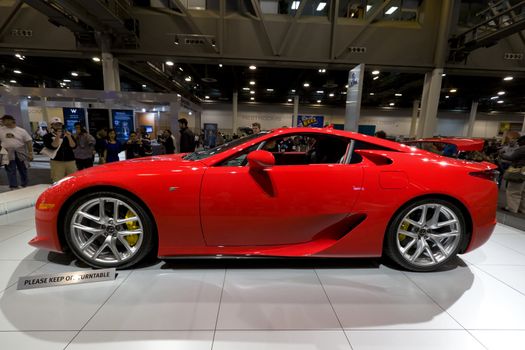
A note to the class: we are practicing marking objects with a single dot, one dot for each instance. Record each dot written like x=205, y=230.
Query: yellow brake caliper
x=404, y=227
x=131, y=226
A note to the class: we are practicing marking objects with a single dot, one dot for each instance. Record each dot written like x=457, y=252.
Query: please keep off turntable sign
x=66, y=278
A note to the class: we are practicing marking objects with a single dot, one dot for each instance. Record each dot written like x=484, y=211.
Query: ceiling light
x=447, y=96
x=453, y=90
x=494, y=97
x=444, y=75
x=220, y=65
x=95, y=59
x=501, y=93
x=246, y=88
x=187, y=78
x=182, y=70
x=269, y=90
x=252, y=67
x=295, y=5
x=391, y=10
x=375, y=72
x=293, y=91
x=375, y=78
x=392, y=104
x=320, y=91
x=178, y=95
x=331, y=95
x=16, y=71
x=74, y=74
x=29, y=97
x=252, y=82
x=398, y=95
x=190, y=112
x=143, y=85
x=322, y=70
x=252, y=92
x=372, y=94
x=19, y=56
x=66, y=81
x=169, y=63
x=207, y=97
x=252, y=98
x=318, y=101
x=306, y=85
x=321, y=6
x=509, y=78
x=500, y=101
x=289, y=100
x=368, y=7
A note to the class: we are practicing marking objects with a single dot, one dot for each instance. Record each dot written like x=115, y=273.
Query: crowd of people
x=77, y=150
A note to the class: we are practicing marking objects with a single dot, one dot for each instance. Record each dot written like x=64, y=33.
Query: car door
x=286, y=204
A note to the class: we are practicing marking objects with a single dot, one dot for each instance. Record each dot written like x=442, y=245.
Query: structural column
x=235, y=110
x=430, y=104
x=110, y=71
x=295, y=110
x=413, y=123
x=472, y=118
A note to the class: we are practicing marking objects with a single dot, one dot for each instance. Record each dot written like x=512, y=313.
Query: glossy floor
x=478, y=303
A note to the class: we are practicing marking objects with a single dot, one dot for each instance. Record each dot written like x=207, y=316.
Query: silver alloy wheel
x=101, y=230
x=428, y=234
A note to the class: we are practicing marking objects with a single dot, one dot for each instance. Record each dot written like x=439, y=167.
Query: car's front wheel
x=426, y=235
x=107, y=229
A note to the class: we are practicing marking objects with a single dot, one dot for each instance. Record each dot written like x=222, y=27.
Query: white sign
x=66, y=278
x=353, y=97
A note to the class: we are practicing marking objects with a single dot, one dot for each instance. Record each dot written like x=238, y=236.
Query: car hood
x=141, y=164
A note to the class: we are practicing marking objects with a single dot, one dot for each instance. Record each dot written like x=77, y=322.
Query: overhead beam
x=82, y=14
x=361, y=29
x=10, y=17
x=298, y=14
x=55, y=15
x=222, y=15
x=191, y=22
x=264, y=26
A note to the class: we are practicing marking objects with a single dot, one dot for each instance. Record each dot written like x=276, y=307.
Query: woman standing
x=113, y=147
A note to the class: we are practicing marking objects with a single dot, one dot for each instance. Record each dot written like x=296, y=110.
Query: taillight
x=491, y=175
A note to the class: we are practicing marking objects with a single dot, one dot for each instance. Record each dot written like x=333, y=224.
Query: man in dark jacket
x=187, y=139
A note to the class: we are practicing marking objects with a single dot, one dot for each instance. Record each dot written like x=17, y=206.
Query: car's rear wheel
x=107, y=229
x=426, y=235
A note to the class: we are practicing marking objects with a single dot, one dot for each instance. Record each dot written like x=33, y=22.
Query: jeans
x=11, y=173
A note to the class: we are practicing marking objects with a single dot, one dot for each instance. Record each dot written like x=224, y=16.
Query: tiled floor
x=479, y=303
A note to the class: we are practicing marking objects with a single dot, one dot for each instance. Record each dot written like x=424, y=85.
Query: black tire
x=147, y=242
x=394, y=241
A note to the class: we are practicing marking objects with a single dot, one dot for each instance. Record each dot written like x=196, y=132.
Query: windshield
x=222, y=148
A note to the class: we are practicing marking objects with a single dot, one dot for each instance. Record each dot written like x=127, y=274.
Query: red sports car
x=296, y=192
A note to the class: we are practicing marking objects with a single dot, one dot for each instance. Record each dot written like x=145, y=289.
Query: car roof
x=343, y=133
x=463, y=144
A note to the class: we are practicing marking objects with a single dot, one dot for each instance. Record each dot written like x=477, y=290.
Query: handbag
x=514, y=174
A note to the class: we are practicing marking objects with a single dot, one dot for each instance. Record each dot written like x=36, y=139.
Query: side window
x=356, y=158
x=240, y=158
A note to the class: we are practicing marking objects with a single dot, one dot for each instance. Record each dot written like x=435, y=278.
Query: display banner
x=353, y=97
x=122, y=123
x=73, y=116
x=312, y=121
x=97, y=119
x=66, y=278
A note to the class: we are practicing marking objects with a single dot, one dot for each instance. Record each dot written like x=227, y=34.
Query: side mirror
x=260, y=160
